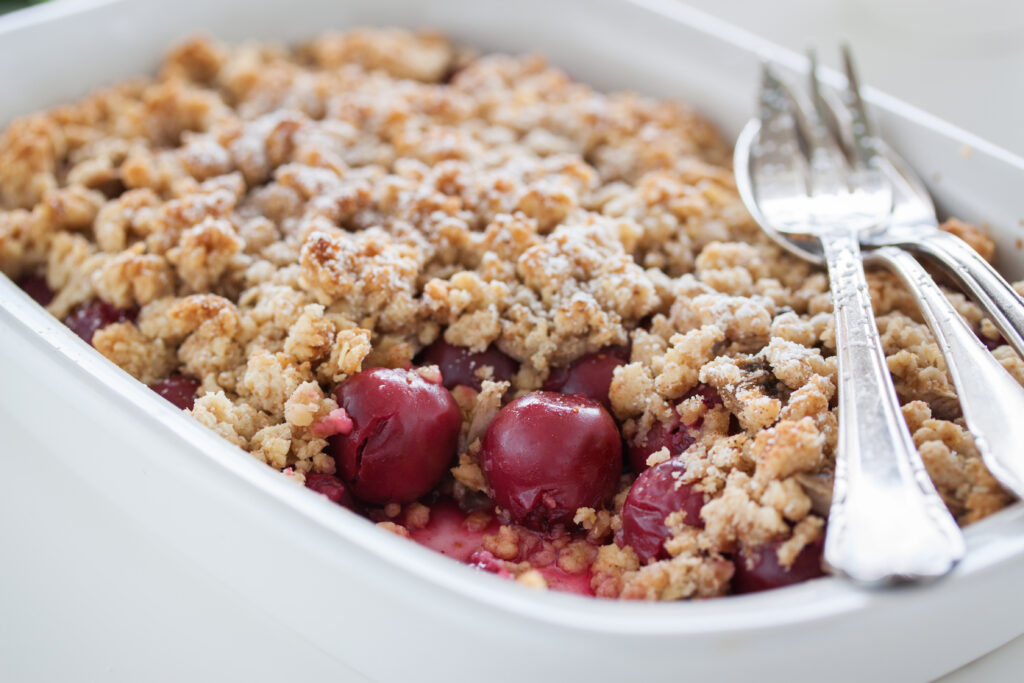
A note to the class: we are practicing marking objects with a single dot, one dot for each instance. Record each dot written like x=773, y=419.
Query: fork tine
x=770, y=97
x=863, y=136
x=904, y=181
x=778, y=165
x=824, y=154
x=824, y=104
x=776, y=103
x=782, y=100
x=779, y=141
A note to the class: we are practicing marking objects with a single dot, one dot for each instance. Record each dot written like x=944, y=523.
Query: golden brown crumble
x=283, y=219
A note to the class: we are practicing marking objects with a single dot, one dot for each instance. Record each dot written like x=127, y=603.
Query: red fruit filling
x=460, y=536
x=459, y=365
x=486, y=561
x=35, y=286
x=449, y=533
x=590, y=375
x=178, y=389
x=758, y=569
x=85, y=319
x=335, y=422
x=332, y=487
x=403, y=437
x=545, y=455
x=656, y=494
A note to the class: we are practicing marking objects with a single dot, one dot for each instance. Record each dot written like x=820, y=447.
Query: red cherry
x=758, y=569
x=546, y=454
x=656, y=494
x=590, y=375
x=708, y=394
x=89, y=317
x=673, y=435
x=332, y=487
x=459, y=365
x=403, y=437
x=990, y=344
x=178, y=389
x=35, y=286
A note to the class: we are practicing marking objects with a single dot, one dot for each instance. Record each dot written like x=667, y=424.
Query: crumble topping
x=285, y=218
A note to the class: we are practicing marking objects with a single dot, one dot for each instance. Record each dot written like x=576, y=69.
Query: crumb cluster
x=283, y=218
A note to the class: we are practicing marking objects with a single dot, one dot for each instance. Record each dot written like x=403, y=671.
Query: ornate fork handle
x=887, y=522
x=991, y=399
x=1003, y=305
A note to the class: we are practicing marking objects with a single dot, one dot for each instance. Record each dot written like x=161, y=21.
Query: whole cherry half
x=759, y=569
x=590, y=375
x=656, y=494
x=459, y=365
x=403, y=438
x=545, y=455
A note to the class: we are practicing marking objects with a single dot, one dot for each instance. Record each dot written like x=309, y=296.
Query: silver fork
x=887, y=522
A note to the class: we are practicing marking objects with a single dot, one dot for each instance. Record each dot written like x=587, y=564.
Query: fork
x=914, y=225
x=887, y=522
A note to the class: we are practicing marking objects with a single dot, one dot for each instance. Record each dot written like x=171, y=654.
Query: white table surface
x=976, y=83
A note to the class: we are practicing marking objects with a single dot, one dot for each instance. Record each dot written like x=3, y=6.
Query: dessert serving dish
x=136, y=453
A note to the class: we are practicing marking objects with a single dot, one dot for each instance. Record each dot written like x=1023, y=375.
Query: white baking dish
x=328, y=582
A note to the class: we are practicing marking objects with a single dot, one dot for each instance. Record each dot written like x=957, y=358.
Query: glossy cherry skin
x=655, y=495
x=758, y=569
x=403, y=439
x=590, y=375
x=179, y=389
x=545, y=455
x=35, y=286
x=89, y=317
x=459, y=365
x=332, y=487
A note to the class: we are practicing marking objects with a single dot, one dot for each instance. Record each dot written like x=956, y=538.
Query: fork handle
x=887, y=523
x=987, y=287
x=991, y=399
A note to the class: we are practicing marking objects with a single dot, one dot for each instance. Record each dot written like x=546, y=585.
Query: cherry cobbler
x=492, y=310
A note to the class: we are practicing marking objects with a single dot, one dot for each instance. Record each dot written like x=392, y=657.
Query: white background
x=962, y=60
